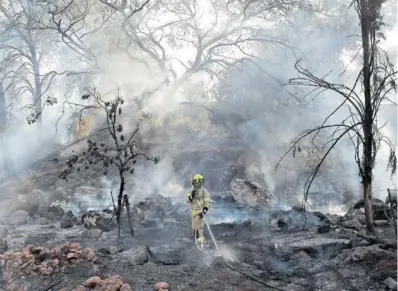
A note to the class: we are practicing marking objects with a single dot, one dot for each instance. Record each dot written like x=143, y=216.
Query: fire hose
x=225, y=260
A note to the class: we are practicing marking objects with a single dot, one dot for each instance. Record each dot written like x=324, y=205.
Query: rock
x=90, y=233
x=18, y=218
x=3, y=232
x=108, y=251
x=372, y=252
x=154, y=207
x=282, y=224
x=353, y=224
x=96, y=220
x=225, y=196
x=161, y=285
x=136, y=256
x=378, y=206
x=381, y=223
x=390, y=283
x=61, y=194
x=43, y=199
x=3, y=246
x=319, y=245
x=68, y=220
x=85, y=191
x=55, y=211
x=301, y=256
x=40, y=238
x=113, y=283
x=324, y=228
x=251, y=194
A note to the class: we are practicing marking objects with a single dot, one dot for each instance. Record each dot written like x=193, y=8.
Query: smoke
x=252, y=112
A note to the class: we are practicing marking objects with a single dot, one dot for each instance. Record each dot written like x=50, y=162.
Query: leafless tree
x=74, y=21
x=22, y=49
x=220, y=34
x=377, y=82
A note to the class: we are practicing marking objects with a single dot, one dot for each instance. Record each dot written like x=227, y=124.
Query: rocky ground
x=42, y=246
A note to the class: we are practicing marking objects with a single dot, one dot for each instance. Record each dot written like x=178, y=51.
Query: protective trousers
x=197, y=228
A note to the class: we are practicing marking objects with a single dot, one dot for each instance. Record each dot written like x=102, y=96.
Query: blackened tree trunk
x=367, y=154
x=120, y=202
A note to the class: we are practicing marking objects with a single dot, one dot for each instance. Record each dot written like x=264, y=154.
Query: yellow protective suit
x=203, y=197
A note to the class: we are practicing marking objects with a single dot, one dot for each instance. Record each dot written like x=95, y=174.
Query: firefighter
x=199, y=200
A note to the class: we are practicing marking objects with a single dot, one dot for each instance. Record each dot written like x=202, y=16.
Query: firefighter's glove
x=193, y=196
x=204, y=211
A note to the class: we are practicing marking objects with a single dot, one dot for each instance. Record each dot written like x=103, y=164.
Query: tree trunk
x=129, y=216
x=120, y=204
x=37, y=98
x=3, y=110
x=367, y=154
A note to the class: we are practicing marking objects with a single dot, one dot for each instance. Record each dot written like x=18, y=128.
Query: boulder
x=98, y=220
x=18, y=218
x=248, y=193
x=155, y=207
x=68, y=220
x=324, y=228
x=358, y=208
x=353, y=224
x=136, y=256
x=55, y=211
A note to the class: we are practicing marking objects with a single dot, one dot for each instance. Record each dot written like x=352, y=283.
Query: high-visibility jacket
x=202, y=196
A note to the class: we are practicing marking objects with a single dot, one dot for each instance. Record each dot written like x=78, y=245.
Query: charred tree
x=377, y=77
x=119, y=150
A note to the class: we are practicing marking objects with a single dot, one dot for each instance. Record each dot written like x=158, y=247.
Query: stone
x=66, y=222
x=390, y=283
x=152, y=209
x=98, y=220
x=55, y=211
x=136, y=256
x=161, y=285
x=301, y=256
x=324, y=228
x=249, y=193
x=353, y=224
x=318, y=246
x=371, y=252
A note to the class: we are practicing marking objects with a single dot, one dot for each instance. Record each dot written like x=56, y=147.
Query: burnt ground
x=292, y=260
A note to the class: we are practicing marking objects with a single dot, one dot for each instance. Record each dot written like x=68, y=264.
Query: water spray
x=208, y=227
x=225, y=259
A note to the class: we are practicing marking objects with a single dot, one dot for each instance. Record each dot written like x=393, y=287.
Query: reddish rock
x=93, y=282
x=160, y=286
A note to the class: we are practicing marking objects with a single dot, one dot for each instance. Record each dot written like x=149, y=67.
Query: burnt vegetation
x=373, y=87
x=118, y=153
